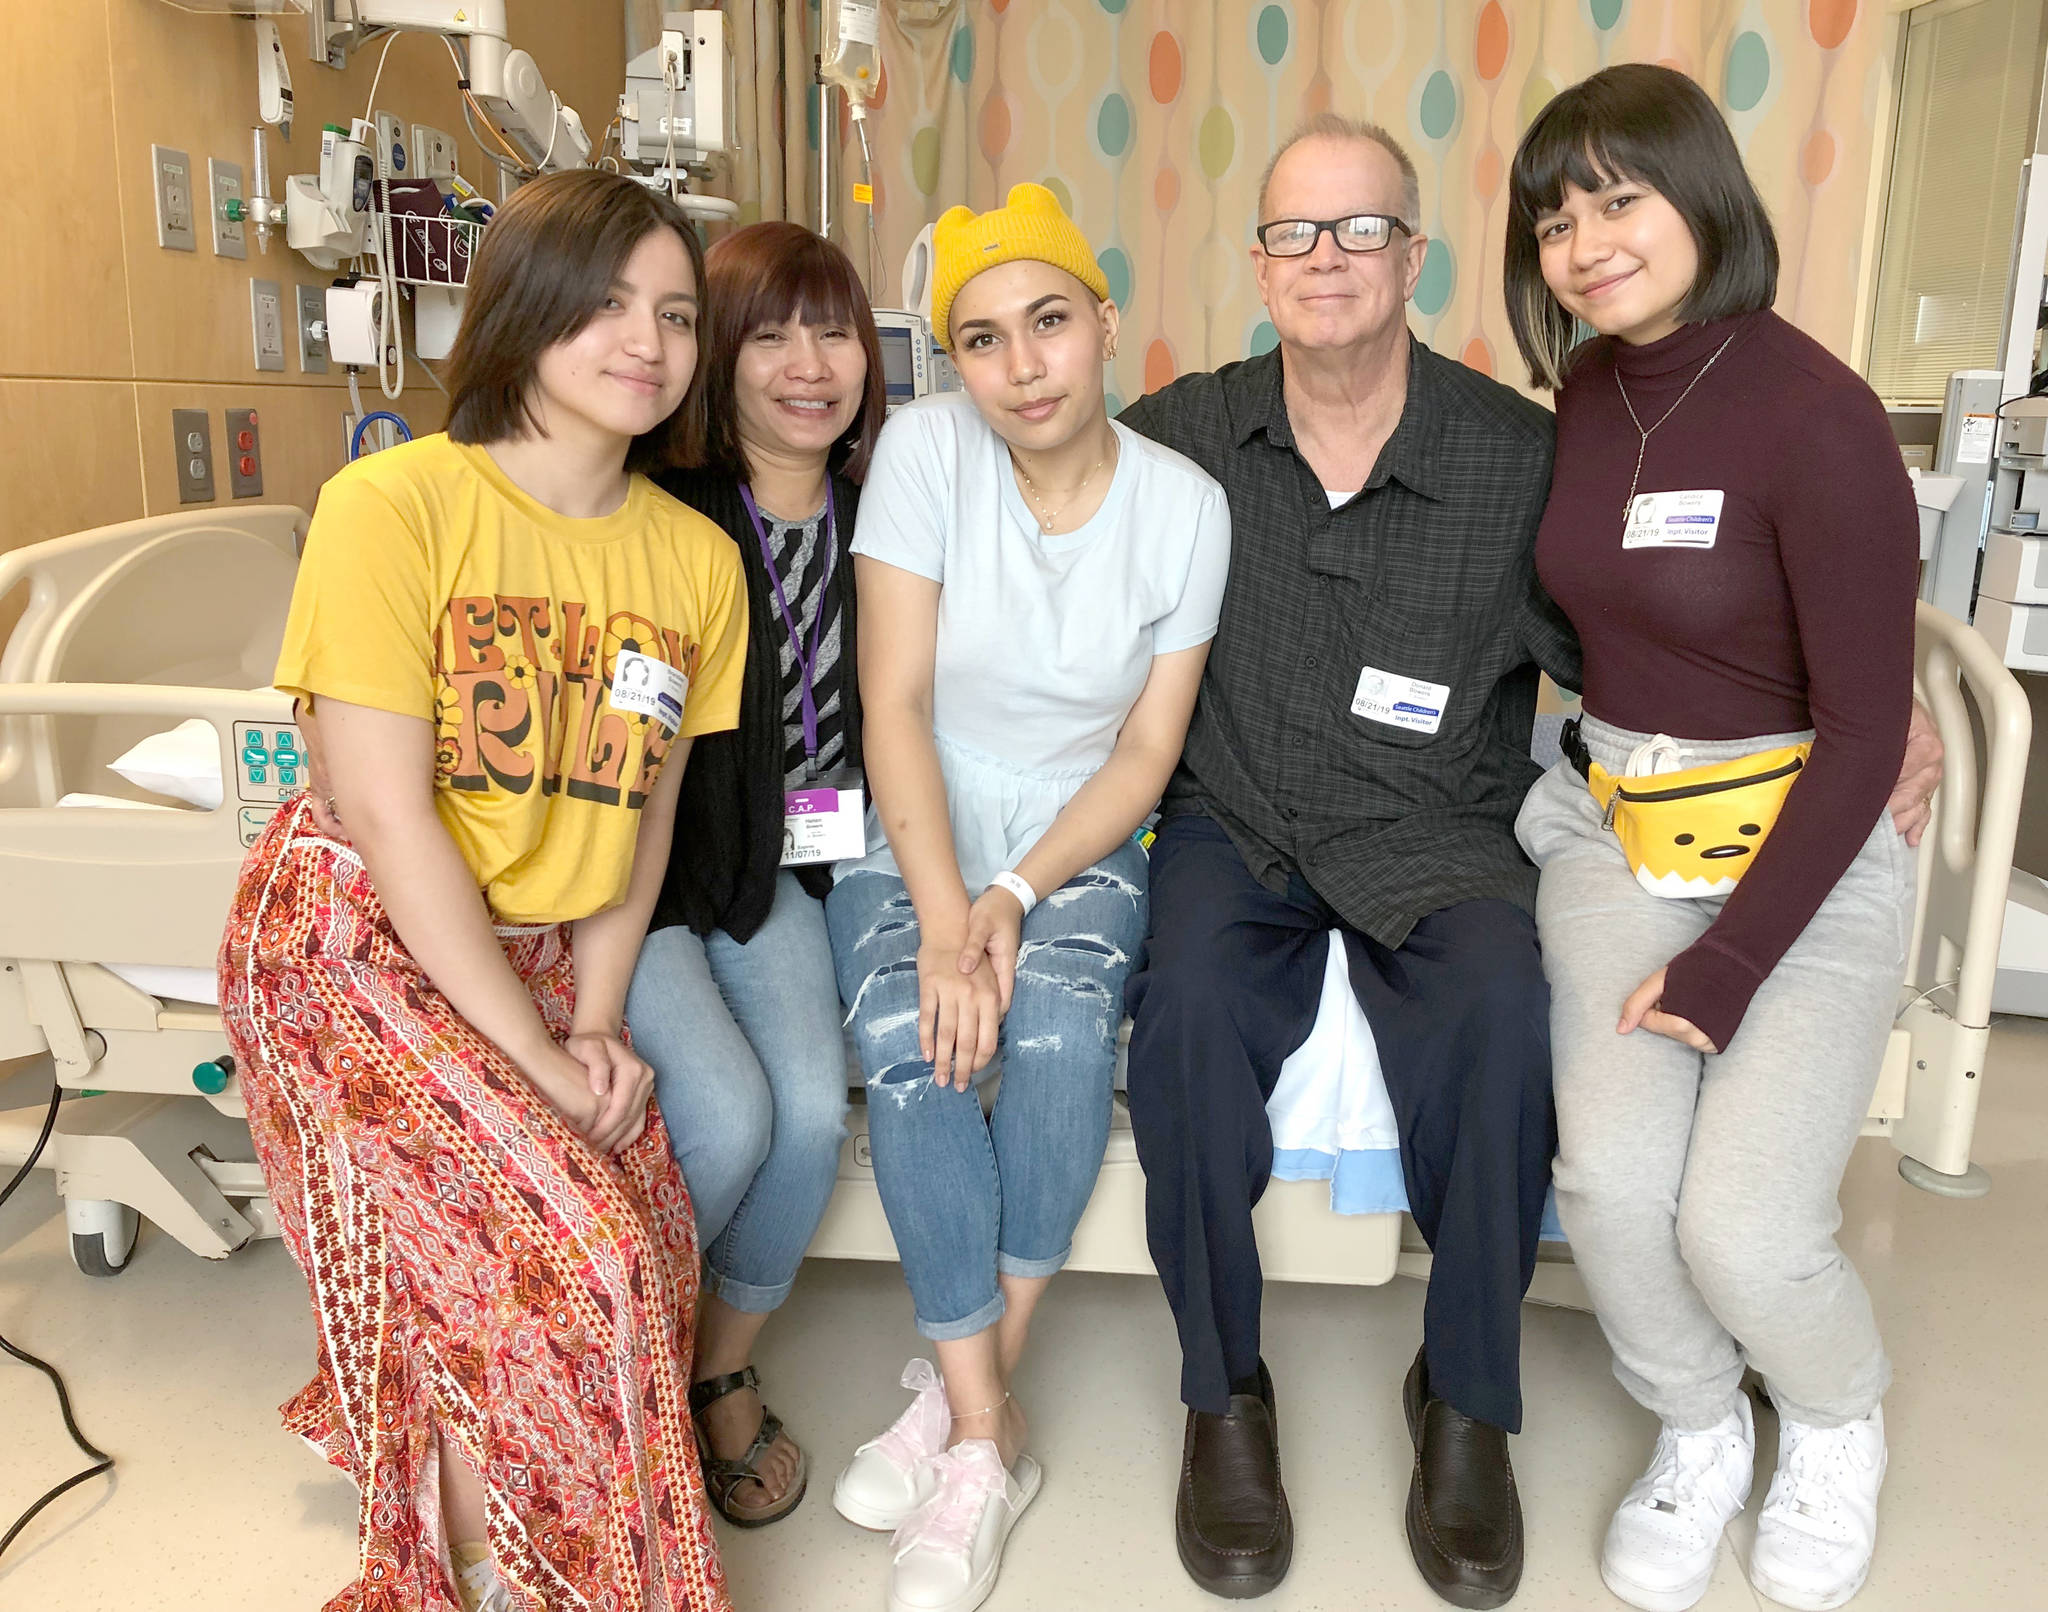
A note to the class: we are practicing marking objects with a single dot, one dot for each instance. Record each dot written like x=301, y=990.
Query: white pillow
x=183, y=763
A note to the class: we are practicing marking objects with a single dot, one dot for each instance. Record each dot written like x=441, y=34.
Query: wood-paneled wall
x=102, y=331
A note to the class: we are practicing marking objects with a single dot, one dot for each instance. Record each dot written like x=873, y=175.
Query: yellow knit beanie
x=1032, y=226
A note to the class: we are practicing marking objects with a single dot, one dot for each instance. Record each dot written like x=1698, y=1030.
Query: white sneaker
x=1661, y=1545
x=949, y=1551
x=479, y=1588
x=890, y=1477
x=1819, y=1525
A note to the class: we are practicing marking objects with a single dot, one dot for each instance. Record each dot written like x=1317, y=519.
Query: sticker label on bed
x=250, y=821
x=1687, y=520
x=1400, y=702
x=823, y=824
x=649, y=687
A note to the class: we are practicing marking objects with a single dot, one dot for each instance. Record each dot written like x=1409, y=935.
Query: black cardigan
x=728, y=841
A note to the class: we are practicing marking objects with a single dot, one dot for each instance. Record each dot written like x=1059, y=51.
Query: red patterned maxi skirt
x=475, y=1266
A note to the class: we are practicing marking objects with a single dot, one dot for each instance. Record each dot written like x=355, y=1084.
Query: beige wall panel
x=300, y=428
x=62, y=282
x=190, y=82
x=67, y=463
x=67, y=457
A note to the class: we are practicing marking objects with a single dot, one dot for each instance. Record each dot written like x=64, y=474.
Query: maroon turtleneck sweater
x=1800, y=615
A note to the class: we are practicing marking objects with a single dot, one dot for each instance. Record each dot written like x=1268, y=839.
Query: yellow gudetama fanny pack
x=1692, y=833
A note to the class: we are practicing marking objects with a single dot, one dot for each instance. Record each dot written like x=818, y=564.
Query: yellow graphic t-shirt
x=558, y=659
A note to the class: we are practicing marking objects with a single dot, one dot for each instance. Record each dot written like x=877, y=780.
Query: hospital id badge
x=826, y=821
x=1687, y=520
x=645, y=686
x=1400, y=702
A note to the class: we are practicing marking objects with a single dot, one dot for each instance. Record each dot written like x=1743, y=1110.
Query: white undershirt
x=1338, y=499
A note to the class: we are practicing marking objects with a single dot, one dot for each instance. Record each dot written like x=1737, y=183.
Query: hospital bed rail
x=1965, y=871
x=128, y=629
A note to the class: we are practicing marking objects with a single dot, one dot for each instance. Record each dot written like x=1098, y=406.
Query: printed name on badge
x=1400, y=702
x=649, y=687
x=823, y=824
x=1687, y=520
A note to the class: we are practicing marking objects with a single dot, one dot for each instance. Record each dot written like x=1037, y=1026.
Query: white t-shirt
x=1045, y=641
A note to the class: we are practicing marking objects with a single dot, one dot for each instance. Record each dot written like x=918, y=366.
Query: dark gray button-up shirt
x=1427, y=574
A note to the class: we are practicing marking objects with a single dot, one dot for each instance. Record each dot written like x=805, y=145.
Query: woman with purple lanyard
x=735, y=1003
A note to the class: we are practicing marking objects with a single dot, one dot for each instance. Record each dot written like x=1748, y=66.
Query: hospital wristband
x=1017, y=886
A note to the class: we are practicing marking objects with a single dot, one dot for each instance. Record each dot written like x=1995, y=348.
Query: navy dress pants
x=1461, y=1016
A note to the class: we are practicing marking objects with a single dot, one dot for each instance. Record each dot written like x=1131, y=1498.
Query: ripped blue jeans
x=969, y=1197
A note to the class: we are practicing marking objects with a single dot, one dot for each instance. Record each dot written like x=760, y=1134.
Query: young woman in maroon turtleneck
x=1732, y=533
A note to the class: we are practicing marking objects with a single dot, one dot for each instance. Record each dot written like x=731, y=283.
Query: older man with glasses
x=1358, y=753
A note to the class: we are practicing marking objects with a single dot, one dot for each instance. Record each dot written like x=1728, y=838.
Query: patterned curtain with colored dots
x=1152, y=120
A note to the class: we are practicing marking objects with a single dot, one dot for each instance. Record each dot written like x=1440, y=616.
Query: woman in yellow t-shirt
x=508, y=637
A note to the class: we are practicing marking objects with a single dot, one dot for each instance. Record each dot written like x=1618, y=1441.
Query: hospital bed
x=110, y=916
x=133, y=627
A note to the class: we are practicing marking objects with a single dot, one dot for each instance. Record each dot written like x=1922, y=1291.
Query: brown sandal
x=723, y=1477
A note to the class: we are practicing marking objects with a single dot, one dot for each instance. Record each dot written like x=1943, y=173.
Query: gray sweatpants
x=1699, y=1192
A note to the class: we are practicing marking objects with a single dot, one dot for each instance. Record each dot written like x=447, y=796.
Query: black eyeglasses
x=1361, y=232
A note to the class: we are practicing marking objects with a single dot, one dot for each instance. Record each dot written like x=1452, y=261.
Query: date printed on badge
x=1400, y=702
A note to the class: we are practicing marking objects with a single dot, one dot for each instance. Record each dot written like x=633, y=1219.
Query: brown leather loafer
x=1231, y=1522
x=1464, y=1515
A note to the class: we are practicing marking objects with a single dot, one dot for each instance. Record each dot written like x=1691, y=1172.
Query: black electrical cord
x=104, y=1462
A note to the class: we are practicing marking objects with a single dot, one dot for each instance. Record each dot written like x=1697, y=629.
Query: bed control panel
x=270, y=767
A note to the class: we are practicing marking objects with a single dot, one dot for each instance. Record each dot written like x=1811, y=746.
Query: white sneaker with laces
x=1661, y=1545
x=889, y=1477
x=949, y=1551
x=1819, y=1525
x=479, y=1588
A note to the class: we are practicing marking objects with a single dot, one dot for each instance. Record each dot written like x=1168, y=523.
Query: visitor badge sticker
x=823, y=823
x=1400, y=702
x=649, y=687
x=1687, y=520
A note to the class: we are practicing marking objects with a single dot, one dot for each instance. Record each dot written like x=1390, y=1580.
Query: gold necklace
x=1047, y=516
x=1643, y=446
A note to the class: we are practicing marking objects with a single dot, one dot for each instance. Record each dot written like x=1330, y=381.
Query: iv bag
x=850, y=46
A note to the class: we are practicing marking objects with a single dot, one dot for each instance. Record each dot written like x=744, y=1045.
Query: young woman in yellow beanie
x=1038, y=588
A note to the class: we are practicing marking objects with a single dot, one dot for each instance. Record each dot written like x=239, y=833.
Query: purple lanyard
x=807, y=664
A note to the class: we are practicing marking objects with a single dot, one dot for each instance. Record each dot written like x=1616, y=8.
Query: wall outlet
x=394, y=161
x=224, y=183
x=312, y=330
x=433, y=153
x=173, y=170
x=266, y=317
x=192, y=447
x=245, y=454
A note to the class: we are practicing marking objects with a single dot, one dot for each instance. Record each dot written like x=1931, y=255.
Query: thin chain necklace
x=1643, y=446
x=1049, y=517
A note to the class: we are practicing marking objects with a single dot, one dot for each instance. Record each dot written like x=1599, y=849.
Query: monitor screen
x=899, y=365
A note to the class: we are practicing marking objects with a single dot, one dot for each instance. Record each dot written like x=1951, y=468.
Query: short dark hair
x=1657, y=127
x=542, y=271
x=767, y=274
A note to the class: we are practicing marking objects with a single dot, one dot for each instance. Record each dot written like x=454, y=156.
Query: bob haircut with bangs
x=1655, y=126
x=768, y=274
x=542, y=271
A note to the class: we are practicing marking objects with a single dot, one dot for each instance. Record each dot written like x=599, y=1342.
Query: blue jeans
x=750, y=1072
x=969, y=1197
